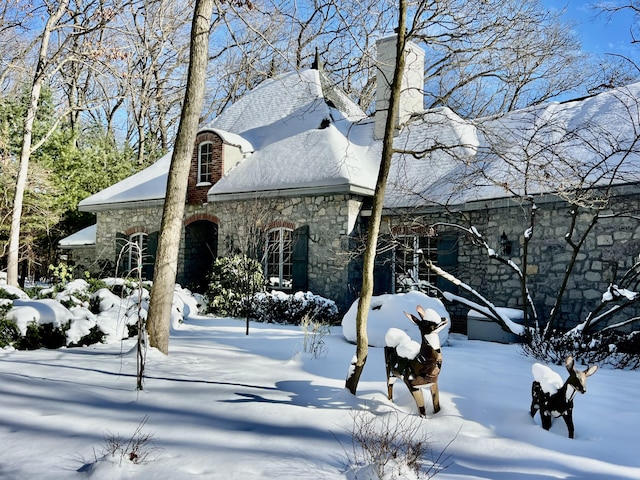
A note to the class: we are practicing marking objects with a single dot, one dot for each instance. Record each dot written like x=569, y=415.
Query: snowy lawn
x=224, y=405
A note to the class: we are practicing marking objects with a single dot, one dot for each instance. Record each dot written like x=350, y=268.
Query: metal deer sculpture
x=553, y=397
x=417, y=364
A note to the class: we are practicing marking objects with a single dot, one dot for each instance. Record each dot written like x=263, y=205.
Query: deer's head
x=578, y=378
x=430, y=322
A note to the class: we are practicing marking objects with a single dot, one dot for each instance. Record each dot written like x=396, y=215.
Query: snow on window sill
x=203, y=184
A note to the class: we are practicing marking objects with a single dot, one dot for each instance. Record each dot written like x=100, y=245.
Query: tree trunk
x=159, y=316
x=27, y=138
x=362, y=339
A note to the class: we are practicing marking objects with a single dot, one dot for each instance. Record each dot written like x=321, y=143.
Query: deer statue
x=416, y=364
x=553, y=397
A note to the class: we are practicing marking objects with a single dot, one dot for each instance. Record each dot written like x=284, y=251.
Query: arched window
x=136, y=251
x=278, y=262
x=205, y=162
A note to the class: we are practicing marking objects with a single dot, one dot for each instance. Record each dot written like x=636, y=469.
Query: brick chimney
x=411, y=96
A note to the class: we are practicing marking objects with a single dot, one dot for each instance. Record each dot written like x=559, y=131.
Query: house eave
x=103, y=207
x=617, y=190
x=292, y=192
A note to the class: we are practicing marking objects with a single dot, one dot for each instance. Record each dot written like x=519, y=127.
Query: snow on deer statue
x=553, y=397
x=417, y=364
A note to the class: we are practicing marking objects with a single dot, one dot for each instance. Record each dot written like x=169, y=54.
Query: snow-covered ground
x=224, y=405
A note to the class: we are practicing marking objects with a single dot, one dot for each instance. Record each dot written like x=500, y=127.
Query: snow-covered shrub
x=9, y=292
x=280, y=307
x=390, y=447
x=43, y=335
x=620, y=350
x=232, y=284
x=314, y=333
x=9, y=332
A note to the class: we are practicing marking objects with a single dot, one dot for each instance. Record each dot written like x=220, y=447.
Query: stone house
x=287, y=174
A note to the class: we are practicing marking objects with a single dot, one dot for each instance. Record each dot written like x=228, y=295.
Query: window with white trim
x=411, y=255
x=136, y=251
x=205, y=162
x=278, y=258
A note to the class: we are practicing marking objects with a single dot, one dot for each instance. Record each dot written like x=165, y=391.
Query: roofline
x=101, y=207
x=291, y=192
x=617, y=190
x=75, y=246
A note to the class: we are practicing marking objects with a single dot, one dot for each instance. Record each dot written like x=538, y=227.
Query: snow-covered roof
x=84, y=237
x=298, y=132
x=146, y=186
x=306, y=137
x=232, y=139
x=550, y=148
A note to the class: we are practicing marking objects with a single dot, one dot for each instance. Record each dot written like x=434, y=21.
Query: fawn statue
x=553, y=397
x=416, y=364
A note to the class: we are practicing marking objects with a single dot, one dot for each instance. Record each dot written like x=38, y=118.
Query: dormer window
x=205, y=162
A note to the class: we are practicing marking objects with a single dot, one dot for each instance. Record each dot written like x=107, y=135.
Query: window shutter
x=447, y=260
x=121, y=257
x=149, y=260
x=300, y=258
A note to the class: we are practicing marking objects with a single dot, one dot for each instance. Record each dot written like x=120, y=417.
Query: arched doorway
x=200, y=251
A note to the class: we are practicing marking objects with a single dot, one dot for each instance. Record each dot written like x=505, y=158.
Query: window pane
x=272, y=266
x=137, y=248
x=278, y=261
x=287, y=262
x=411, y=256
x=205, y=162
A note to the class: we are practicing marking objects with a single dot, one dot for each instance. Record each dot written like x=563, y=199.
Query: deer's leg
x=390, y=381
x=435, y=396
x=545, y=416
x=418, y=397
x=535, y=398
x=568, y=419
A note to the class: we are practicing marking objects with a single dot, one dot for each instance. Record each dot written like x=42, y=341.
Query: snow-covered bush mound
x=14, y=291
x=110, y=313
x=279, y=307
x=47, y=311
x=387, y=311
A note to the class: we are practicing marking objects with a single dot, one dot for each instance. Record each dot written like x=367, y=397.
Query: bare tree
x=155, y=37
x=61, y=22
x=364, y=302
x=167, y=254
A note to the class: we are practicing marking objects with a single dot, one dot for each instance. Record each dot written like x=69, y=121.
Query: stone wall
x=112, y=222
x=611, y=248
x=333, y=222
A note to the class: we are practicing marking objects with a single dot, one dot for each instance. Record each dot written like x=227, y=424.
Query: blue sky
x=598, y=33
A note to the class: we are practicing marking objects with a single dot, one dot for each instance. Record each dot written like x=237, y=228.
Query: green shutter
x=149, y=261
x=447, y=260
x=121, y=254
x=300, y=258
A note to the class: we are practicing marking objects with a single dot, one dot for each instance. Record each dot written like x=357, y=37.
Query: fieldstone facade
x=610, y=249
x=334, y=226
x=333, y=223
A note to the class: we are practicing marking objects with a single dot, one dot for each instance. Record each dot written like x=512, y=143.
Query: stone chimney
x=411, y=97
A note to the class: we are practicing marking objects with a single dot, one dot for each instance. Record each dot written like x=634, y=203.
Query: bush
x=391, y=446
x=61, y=274
x=7, y=295
x=620, y=350
x=95, y=335
x=9, y=331
x=44, y=335
x=232, y=284
x=278, y=307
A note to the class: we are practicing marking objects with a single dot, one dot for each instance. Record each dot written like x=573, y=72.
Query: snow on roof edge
x=84, y=237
